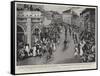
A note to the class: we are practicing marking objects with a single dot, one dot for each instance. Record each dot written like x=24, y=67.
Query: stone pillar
x=29, y=31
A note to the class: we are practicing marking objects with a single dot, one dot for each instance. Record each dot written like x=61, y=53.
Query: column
x=29, y=31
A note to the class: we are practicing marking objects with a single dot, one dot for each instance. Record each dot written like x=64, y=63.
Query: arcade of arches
x=22, y=36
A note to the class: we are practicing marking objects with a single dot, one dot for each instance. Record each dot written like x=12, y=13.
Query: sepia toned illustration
x=53, y=34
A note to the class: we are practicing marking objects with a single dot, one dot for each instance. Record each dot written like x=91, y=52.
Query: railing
x=26, y=14
x=21, y=19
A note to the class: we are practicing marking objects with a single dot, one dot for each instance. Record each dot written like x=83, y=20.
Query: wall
x=67, y=18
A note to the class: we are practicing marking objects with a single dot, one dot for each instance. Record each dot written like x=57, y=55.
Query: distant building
x=75, y=19
x=71, y=18
x=67, y=15
x=88, y=21
x=81, y=23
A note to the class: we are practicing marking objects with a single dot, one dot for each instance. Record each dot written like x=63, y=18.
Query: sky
x=62, y=8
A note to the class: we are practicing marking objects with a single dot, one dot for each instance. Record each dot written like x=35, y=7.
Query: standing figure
x=27, y=49
x=34, y=51
x=65, y=45
x=73, y=35
x=76, y=40
x=81, y=46
x=54, y=47
x=37, y=48
x=70, y=31
x=76, y=53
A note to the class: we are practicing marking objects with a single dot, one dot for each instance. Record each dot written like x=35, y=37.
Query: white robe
x=81, y=46
x=76, y=52
x=27, y=49
x=81, y=51
x=34, y=51
x=54, y=46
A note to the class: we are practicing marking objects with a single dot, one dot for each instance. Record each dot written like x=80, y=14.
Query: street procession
x=55, y=36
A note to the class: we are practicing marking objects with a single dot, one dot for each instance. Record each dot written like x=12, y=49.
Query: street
x=60, y=56
x=67, y=55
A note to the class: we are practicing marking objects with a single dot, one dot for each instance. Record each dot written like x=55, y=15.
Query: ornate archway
x=20, y=37
x=35, y=35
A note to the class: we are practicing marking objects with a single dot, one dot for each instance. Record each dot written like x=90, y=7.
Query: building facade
x=88, y=19
x=29, y=23
x=67, y=16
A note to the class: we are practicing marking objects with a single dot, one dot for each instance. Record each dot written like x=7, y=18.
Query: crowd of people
x=44, y=44
x=39, y=49
x=46, y=41
x=85, y=47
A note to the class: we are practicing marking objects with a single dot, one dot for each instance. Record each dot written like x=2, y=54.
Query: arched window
x=20, y=37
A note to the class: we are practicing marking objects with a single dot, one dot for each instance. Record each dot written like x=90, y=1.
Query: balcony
x=21, y=19
x=28, y=14
x=36, y=20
